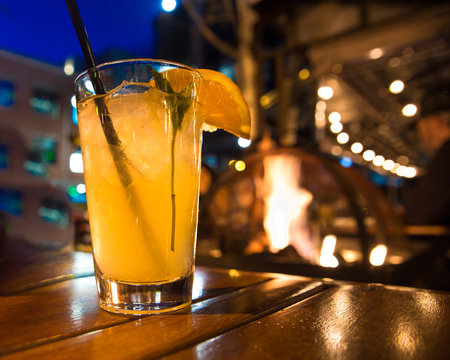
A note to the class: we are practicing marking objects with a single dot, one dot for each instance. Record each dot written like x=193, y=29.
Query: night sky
x=43, y=30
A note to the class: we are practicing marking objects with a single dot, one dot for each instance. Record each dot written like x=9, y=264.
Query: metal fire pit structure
x=346, y=228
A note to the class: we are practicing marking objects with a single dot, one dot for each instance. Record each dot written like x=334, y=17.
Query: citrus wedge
x=221, y=100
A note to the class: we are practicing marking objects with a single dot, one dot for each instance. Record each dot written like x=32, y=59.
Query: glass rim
x=137, y=60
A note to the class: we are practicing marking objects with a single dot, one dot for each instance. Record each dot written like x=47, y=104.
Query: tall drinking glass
x=140, y=131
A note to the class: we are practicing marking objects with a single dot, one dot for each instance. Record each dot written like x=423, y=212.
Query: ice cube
x=129, y=88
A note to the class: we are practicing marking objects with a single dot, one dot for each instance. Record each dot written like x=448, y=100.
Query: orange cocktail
x=142, y=190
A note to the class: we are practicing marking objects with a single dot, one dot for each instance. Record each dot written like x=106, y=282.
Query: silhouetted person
x=428, y=201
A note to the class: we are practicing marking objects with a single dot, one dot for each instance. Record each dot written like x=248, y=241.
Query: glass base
x=143, y=299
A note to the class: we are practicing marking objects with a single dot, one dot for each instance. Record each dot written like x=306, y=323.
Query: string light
x=343, y=138
x=321, y=105
x=336, y=127
x=356, y=148
x=334, y=117
x=368, y=155
x=388, y=165
x=375, y=53
x=336, y=150
x=396, y=87
x=325, y=92
x=378, y=160
x=409, y=110
x=304, y=74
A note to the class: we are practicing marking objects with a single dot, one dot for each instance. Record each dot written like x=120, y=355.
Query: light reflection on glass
x=198, y=285
x=114, y=293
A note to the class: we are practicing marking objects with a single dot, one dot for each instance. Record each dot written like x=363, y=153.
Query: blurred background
x=336, y=91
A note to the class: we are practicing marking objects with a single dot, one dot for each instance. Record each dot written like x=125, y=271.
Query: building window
x=54, y=212
x=41, y=153
x=3, y=156
x=45, y=102
x=11, y=201
x=6, y=93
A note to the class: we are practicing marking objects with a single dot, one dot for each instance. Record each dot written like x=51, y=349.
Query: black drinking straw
x=120, y=159
x=85, y=46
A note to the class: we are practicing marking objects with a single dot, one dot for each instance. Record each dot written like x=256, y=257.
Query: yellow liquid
x=131, y=227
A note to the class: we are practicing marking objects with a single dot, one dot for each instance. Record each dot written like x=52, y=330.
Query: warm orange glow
x=327, y=259
x=285, y=220
x=378, y=255
x=240, y=165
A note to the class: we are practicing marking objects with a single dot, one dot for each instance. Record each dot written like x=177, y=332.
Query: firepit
x=294, y=211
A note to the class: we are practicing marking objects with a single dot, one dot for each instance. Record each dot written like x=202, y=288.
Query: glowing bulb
x=368, y=155
x=304, y=74
x=394, y=169
x=264, y=101
x=403, y=160
x=320, y=115
x=244, y=143
x=334, y=117
x=388, y=165
x=401, y=170
x=81, y=188
x=378, y=160
x=396, y=87
x=73, y=101
x=321, y=105
x=375, y=53
x=410, y=172
x=76, y=163
x=336, y=127
x=378, y=255
x=342, y=138
x=169, y=5
x=336, y=150
x=320, y=119
x=69, y=67
x=239, y=165
x=356, y=148
x=409, y=110
x=325, y=92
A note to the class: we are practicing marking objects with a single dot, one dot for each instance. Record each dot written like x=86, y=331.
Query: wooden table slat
x=157, y=335
x=43, y=269
x=348, y=322
x=68, y=308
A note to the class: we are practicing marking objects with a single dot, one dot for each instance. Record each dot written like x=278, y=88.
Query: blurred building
x=35, y=146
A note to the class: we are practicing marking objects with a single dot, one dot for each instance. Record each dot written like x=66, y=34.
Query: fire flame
x=285, y=220
x=327, y=259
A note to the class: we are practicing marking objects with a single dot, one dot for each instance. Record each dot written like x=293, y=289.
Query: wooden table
x=48, y=309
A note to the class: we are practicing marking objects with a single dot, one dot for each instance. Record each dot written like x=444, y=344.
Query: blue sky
x=43, y=30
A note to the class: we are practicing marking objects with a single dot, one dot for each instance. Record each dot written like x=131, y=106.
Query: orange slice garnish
x=221, y=100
